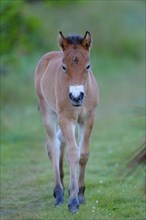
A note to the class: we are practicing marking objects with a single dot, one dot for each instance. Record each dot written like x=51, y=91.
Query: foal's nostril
x=71, y=96
x=81, y=96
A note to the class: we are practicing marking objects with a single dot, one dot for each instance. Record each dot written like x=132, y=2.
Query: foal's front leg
x=68, y=130
x=53, y=149
x=84, y=132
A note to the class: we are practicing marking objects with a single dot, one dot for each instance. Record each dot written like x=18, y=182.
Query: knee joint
x=84, y=158
x=73, y=156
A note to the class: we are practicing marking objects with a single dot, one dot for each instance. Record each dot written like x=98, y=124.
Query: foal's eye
x=88, y=67
x=64, y=67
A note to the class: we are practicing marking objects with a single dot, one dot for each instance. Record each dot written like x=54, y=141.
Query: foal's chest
x=82, y=115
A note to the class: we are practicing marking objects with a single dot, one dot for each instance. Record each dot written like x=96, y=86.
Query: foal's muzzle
x=76, y=101
x=76, y=95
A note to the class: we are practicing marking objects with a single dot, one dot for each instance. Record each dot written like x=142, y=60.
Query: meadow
x=112, y=190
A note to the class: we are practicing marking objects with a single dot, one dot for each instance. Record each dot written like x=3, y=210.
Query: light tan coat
x=68, y=95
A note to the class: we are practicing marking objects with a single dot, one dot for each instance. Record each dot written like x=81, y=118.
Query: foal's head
x=76, y=64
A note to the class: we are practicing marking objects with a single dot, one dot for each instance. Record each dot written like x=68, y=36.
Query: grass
x=26, y=174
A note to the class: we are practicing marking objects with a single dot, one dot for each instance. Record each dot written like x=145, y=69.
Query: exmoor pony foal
x=68, y=95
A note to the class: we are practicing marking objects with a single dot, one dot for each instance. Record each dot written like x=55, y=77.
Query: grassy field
x=26, y=174
x=112, y=191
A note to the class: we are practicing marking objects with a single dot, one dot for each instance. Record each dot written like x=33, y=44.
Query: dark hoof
x=81, y=199
x=58, y=194
x=59, y=201
x=81, y=195
x=73, y=205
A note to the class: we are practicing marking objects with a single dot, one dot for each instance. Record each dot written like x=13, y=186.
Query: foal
x=68, y=95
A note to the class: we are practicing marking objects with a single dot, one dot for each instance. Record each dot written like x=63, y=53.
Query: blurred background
x=29, y=28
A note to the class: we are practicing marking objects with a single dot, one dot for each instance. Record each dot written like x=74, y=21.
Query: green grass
x=112, y=192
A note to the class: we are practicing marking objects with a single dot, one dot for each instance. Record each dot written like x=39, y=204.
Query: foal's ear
x=62, y=41
x=87, y=40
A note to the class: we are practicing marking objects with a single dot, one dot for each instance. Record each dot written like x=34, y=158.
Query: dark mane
x=74, y=39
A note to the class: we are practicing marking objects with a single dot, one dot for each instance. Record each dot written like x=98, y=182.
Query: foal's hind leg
x=84, y=135
x=53, y=148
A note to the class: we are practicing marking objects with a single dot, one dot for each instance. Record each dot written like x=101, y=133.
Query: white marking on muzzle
x=76, y=90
